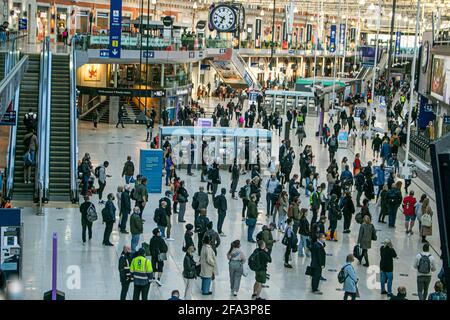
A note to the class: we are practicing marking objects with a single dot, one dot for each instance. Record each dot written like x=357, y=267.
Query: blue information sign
x=104, y=53
x=8, y=119
x=342, y=37
x=149, y=54
x=248, y=79
x=398, y=36
x=333, y=38
x=115, y=28
x=23, y=22
x=151, y=166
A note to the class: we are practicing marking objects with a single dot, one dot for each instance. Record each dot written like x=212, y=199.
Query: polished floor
x=90, y=272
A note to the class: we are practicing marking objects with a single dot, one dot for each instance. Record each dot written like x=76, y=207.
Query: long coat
x=207, y=262
x=365, y=235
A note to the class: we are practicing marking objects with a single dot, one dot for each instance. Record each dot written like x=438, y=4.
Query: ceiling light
x=262, y=13
x=195, y=5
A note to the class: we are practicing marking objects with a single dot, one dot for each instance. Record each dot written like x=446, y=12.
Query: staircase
x=59, y=175
x=28, y=99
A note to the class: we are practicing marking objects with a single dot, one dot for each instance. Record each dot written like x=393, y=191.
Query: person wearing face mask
x=318, y=259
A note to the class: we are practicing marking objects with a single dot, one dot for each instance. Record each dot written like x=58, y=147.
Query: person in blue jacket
x=351, y=280
x=380, y=178
x=385, y=151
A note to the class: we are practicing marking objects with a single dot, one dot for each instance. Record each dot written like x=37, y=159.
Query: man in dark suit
x=318, y=258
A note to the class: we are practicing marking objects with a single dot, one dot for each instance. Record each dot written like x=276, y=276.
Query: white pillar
x=323, y=66
x=32, y=25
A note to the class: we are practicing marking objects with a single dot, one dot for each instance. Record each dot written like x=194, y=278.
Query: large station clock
x=223, y=18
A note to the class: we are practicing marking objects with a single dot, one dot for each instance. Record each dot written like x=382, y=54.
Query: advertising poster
x=10, y=241
x=308, y=32
x=333, y=39
x=151, y=166
x=368, y=56
x=440, y=78
x=343, y=138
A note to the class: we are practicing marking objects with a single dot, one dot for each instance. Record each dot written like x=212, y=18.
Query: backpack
x=242, y=192
x=426, y=220
x=259, y=236
x=132, y=197
x=97, y=172
x=91, y=214
x=359, y=218
x=156, y=217
x=253, y=261
x=424, y=265
x=341, y=275
x=216, y=202
x=105, y=215
x=333, y=143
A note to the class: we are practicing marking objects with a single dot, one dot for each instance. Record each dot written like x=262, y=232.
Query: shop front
x=61, y=23
x=42, y=22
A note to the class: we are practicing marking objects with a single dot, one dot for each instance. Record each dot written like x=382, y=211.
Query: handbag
x=309, y=271
x=162, y=256
x=285, y=240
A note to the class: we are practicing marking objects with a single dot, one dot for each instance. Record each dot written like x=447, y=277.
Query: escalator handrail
x=73, y=128
x=44, y=122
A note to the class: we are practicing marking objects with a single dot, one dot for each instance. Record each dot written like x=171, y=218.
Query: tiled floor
x=90, y=272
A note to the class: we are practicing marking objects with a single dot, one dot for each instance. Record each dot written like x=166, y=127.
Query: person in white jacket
x=425, y=264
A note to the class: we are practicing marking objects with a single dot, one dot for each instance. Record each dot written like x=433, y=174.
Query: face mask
x=322, y=241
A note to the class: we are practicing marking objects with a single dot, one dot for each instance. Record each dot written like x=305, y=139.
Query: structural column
x=32, y=25
x=114, y=104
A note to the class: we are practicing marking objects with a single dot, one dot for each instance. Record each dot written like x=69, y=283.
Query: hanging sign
x=398, y=36
x=342, y=38
x=115, y=29
x=333, y=39
x=308, y=32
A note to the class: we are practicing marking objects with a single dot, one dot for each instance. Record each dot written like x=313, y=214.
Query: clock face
x=425, y=53
x=223, y=18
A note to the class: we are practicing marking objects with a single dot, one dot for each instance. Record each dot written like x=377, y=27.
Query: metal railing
x=73, y=129
x=20, y=68
x=42, y=167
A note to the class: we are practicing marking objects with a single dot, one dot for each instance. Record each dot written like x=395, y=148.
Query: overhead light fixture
x=153, y=1
x=295, y=10
x=262, y=13
x=371, y=6
x=195, y=5
x=362, y=2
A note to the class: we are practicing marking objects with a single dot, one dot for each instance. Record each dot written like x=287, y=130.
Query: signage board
x=23, y=24
x=121, y=92
x=104, y=53
x=149, y=54
x=343, y=138
x=204, y=122
x=115, y=28
x=10, y=241
x=333, y=38
x=151, y=166
x=9, y=119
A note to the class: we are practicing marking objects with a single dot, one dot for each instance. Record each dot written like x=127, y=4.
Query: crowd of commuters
x=351, y=191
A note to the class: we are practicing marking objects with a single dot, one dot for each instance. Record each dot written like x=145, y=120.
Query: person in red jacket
x=409, y=210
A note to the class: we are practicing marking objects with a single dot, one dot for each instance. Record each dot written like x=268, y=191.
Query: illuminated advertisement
x=440, y=79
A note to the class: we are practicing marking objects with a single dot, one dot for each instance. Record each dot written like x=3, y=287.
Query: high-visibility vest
x=140, y=268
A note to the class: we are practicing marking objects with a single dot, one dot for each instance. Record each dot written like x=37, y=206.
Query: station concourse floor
x=90, y=272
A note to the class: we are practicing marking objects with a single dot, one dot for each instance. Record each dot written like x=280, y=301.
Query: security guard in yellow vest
x=142, y=271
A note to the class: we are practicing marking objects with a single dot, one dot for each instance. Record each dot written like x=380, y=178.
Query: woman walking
x=208, y=265
x=158, y=252
x=426, y=220
x=109, y=218
x=367, y=233
x=236, y=266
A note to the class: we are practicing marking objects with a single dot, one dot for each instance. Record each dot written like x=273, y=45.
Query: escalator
x=28, y=99
x=234, y=71
x=59, y=174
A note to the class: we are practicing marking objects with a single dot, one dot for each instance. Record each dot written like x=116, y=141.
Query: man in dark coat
x=125, y=209
x=318, y=258
x=124, y=271
x=220, y=203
